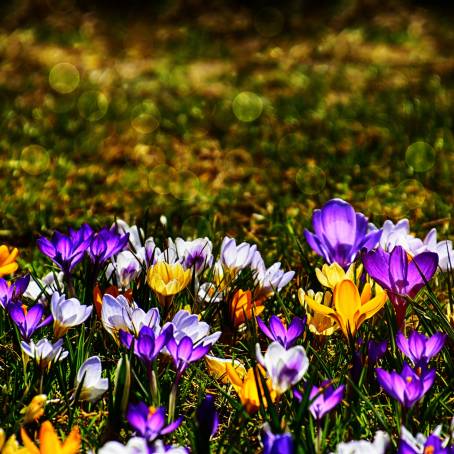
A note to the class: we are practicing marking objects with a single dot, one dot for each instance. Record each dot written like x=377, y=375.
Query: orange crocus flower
x=8, y=260
x=242, y=307
x=112, y=290
x=49, y=442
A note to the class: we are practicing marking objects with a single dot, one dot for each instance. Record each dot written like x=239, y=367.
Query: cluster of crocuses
x=153, y=303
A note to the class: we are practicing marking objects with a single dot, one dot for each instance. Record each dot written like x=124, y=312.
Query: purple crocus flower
x=184, y=352
x=401, y=276
x=148, y=345
x=207, y=418
x=149, y=422
x=420, y=444
x=277, y=331
x=419, y=348
x=340, y=233
x=28, y=320
x=276, y=443
x=10, y=292
x=324, y=398
x=408, y=386
x=105, y=244
x=376, y=350
x=66, y=251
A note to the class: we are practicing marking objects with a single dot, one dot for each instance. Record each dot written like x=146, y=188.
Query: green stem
x=173, y=398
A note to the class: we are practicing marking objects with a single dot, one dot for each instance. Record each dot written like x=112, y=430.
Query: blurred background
x=226, y=117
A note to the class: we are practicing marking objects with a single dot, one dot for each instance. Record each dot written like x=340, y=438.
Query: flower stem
x=173, y=397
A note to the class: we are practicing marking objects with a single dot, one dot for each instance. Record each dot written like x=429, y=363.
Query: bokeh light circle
x=247, y=106
x=311, y=179
x=64, y=78
x=93, y=105
x=145, y=117
x=34, y=160
x=185, y=186
x=160, y=178
x=420, y=156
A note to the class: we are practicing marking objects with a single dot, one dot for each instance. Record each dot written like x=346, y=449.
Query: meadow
x=226, y=228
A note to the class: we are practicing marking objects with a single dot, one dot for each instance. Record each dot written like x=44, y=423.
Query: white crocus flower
x=43, y=288
x=235, y=258
x=378, y=446
x=44, y=352
x=89, y=378
x=67, y=313
x=126, y=266
x=284, y=367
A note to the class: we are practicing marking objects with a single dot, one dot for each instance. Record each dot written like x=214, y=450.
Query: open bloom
x=135, y=445
x=166, y=280
x=277, y=331
x=421, y=444
x=196, y=254
x=330, y=275
x=242, y=307
x=276, y=443
x=11, y=292
x=284, y=367
x=135, y=235
x=235, y=258
x=105, y=244
x=247, y=390
x=89, y=377
x=324, y=398
x=44, y=352
x=340, y=233
x=401, y=277
x=378, y=446
x=28, y=320
x=149, y=422
x=443, y=249
x=50, y=443
x=419, y=348
x=268, y=280
x=8, y=262
x=317, y=322
x=350, y=309
x=66, y=251
x=45, y=287
x=67, y=313
x=407, y=387
x=217, y=367
x=125, y=267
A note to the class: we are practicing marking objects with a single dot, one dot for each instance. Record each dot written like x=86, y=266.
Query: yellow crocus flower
x=330, y=275
x=49, y=442
x=217, y=367
x=242, y=307
x=318, y=323
x=166, y=280
x=350, y=309
x=8, y=262
x=246, y=388
x=35, y=409
x=10, y=446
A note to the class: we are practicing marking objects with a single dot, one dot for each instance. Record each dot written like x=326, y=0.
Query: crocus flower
x=284, y=367
x=276, y=443
x=66, y=251
x=401, y=277
x=247, y=390
x=209, y=293
x=11, y=292
x=324, y=398
x=407, y=387
x=350, y=309
x=28, y=320
x=149, y=422
x=317, y=322
x=196, y=254
x=207, y=418
x=44, y=352
x=421, y=444
x=340, y=233
x=45, y=287
x=378, y=446
x=330, y=275
x=89, y=378
x=277, y=331
x=50, y=443
x=419, y=348
x=185, y=352
x=268, y=280
x=35, y=409
x=135, y=445
x=166, y=280
x=217, y=367
x=148, y=345
x=8, y=264
x=105, y=244
x=235, y=258
x=125, y=267
x=376, y=350
x=135, y=234
x=242, y=307
x=67, y=313
x=443, y=249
